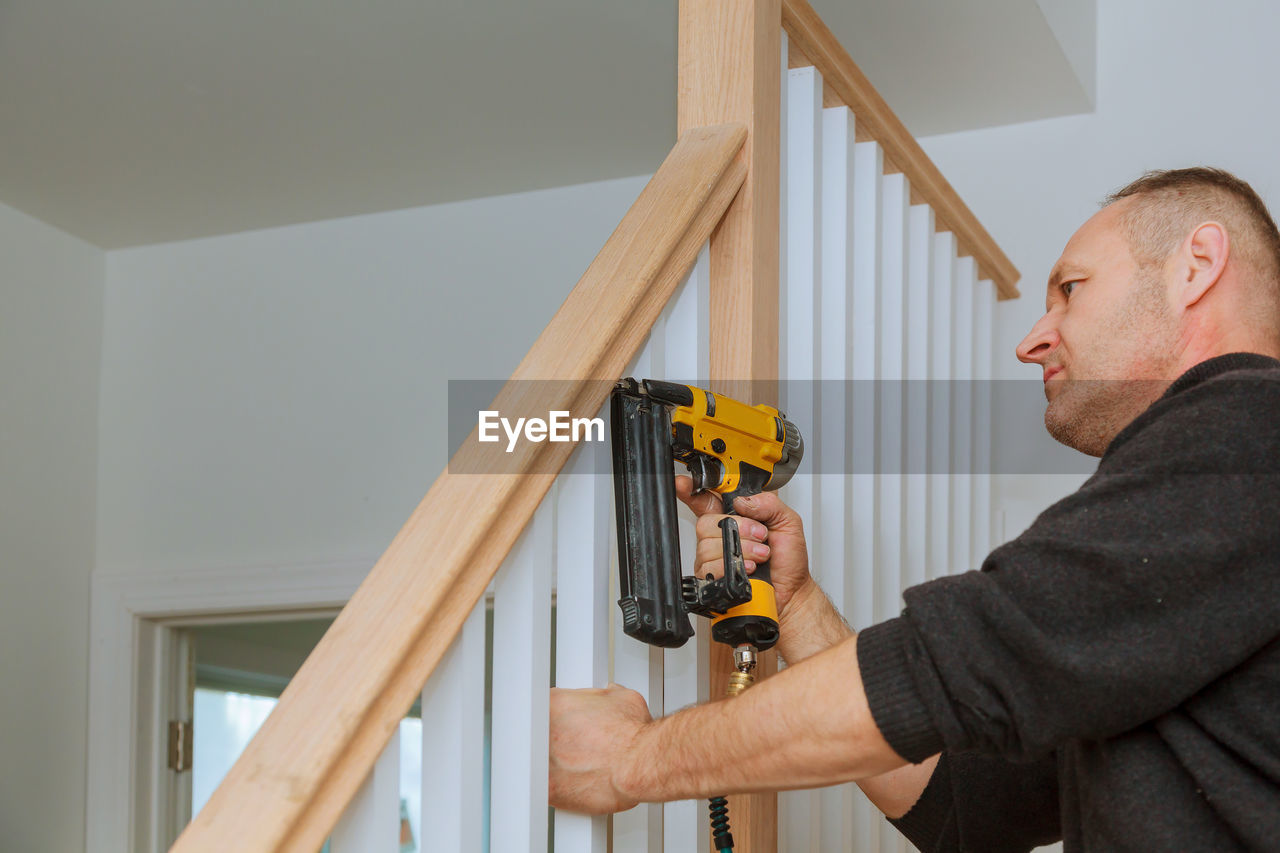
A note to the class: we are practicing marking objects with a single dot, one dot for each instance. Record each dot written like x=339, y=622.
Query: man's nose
x=1039, y=342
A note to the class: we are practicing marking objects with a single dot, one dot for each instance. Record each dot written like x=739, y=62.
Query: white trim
x=119, y=604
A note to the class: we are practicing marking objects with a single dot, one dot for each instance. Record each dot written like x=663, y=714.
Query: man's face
x=1106, y=338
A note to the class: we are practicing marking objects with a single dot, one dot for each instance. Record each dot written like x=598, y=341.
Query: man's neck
x=1210, y=330
x=1202, y=348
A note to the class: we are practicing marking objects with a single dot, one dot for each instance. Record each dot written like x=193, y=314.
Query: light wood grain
x=292, y=782
x=845, y=83
x=730, y=61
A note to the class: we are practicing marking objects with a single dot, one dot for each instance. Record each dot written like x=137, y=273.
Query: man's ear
x=1202, y=261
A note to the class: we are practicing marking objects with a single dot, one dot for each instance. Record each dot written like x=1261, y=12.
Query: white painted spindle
x=799, y=345
x=583, y=504
x=941, y=414
x=372, y=818
x=800, y=329
x=453, y=743
x=829, y=443
x=983, y=327
x=962, y=429
x=895, y=207
x=863, y=518
x=685, y=341
x=895, y=204
x=919, y=348
x=521, y=679
x=635, y=664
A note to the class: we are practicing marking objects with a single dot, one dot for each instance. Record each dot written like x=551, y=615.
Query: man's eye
x=1067, y=287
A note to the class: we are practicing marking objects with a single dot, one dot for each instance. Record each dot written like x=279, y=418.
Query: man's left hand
x=592, y=732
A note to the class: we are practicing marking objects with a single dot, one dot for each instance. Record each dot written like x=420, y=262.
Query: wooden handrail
x=809, y=37
x=293, y=781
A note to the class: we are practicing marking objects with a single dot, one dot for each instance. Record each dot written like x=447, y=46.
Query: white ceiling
x=129, y=122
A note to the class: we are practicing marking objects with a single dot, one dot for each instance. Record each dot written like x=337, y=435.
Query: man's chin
x=1067, y=426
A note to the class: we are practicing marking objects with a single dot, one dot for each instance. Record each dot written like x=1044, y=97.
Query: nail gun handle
x=735, y=567
x=762, y=573
x=762, y=569
x=756, y=621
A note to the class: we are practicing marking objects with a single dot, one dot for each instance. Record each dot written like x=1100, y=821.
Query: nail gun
x=730, y=448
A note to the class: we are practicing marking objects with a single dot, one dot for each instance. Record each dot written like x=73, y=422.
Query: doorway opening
x=224, y=677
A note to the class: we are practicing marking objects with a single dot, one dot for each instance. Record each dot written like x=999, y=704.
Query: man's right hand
x=760, y=517
x=770, y=530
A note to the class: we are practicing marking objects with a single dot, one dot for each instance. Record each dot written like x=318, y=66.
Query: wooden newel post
x=730, y=71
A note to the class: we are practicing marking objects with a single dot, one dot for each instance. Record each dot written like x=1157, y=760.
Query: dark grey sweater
x=1112, y=676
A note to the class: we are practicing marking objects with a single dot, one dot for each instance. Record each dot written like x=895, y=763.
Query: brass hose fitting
x=738, y=682
x=744, y=661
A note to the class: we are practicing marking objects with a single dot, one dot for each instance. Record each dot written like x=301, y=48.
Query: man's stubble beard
x=1087, y=413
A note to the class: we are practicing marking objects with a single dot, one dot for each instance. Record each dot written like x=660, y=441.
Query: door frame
x=134, y=649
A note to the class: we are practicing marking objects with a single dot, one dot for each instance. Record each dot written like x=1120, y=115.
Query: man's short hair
x=1172, y=202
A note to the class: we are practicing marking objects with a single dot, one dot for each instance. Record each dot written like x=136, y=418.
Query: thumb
x=767, y=508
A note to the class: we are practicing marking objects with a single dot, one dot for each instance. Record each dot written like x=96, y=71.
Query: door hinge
x=180, y=745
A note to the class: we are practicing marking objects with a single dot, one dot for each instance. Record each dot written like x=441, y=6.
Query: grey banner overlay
x=939, y=427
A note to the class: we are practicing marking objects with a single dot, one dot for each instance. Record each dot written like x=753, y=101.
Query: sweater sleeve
x=976, y=802
x=1119, y=603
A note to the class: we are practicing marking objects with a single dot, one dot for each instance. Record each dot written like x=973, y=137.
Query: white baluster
x=799, y=322
x=800, y=330
x=941, y=415
x=831, y=454
x=684, y=673
x=830, y=442
x=983, y=322
x=801, y=333
x=453, y=743
x=372, y=819
x=895, y=205
x=919, y=348
x=891, y=404
x=636, y=664
x=962, y=438
x=864, y=515
x=583, y=504
x=521, y=679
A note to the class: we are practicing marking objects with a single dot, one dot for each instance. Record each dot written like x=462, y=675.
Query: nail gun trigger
x=705, y=471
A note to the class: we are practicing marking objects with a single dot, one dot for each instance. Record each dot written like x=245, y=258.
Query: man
x=1112, y=676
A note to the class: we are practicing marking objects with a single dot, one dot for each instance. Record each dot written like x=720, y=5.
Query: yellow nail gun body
x=729, y=447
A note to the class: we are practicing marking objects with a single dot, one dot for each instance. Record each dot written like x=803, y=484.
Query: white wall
x=50, y=336
x=279, y=395
x=1179, y=84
